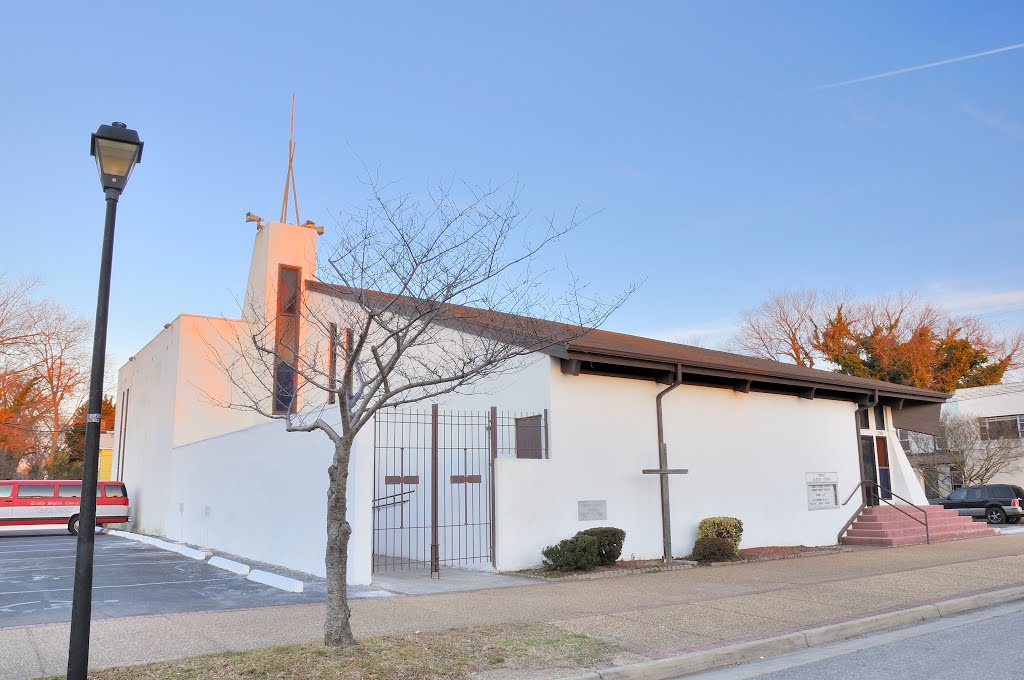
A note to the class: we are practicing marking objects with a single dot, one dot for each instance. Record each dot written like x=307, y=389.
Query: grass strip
x=453, y=653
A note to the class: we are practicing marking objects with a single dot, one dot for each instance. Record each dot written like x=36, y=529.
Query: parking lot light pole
x=117, y=150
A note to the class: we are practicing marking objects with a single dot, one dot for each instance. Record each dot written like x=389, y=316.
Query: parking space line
x=124, y=585
x=98, y=564
x=11, y=552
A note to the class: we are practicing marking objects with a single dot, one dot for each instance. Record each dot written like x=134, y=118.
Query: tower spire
x=289, y=180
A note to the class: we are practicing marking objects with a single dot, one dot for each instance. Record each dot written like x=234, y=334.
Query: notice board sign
x=822, y=490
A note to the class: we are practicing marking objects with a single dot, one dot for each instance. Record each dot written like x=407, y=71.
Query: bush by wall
x=609, y=543
x=579, y=553
x=713, y=549
x=728, y=528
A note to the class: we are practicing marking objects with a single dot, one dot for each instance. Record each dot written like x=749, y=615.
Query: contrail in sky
x=922, y=67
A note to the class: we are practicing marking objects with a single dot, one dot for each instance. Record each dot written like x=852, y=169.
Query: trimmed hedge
x=579, y=553
x=713, y=549
x=609, y=543
x=728, y=528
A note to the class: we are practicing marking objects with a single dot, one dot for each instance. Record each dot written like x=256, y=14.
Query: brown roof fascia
x=621, y=355
x=756, y=381
x=538, y=335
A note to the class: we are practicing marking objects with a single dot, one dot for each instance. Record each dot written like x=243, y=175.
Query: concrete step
x=905, y=523
x=888, y=526
x=891, y=542
x=912, y=509
x=917, y=531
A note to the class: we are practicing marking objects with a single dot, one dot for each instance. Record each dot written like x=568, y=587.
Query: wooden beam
x=571, y=366
x=742, y=386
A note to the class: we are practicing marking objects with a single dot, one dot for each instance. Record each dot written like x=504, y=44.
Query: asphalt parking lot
x=130, y=579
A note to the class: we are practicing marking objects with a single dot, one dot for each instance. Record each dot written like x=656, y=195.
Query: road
x=981, y=644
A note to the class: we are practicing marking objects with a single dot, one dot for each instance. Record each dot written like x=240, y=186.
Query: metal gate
x=434, y=489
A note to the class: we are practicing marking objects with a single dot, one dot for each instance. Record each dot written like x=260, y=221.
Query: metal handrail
x=376, y=505
x=879, y=487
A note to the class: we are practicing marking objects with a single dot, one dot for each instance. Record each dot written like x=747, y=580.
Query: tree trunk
x=55, y=437
x=337, y=627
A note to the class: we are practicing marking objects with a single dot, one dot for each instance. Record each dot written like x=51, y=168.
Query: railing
x=878, y=489
x=377, y=503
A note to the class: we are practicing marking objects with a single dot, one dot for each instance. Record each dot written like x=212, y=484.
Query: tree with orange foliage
x=22, y=409
x=896, y=338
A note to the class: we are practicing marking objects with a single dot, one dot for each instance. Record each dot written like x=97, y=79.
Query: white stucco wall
x=991, y=401
x=994, y=400
x=905, y=480
x=262, y=493
x=223, y=478
x=145, y=427
x=748, y=456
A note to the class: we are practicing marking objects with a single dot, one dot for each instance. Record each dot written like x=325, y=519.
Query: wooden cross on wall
x=663, y=471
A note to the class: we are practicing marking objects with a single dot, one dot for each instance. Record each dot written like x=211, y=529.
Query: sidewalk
x=650, y=615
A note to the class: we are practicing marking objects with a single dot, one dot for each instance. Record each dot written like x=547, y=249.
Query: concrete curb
x=230, y=565
x=185, y=550
x=275, y=581
x=265, y=577
x=745, y=652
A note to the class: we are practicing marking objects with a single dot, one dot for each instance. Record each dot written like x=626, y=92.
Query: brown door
x=868, y=469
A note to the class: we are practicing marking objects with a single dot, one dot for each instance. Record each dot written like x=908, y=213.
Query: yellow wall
x=106, y=459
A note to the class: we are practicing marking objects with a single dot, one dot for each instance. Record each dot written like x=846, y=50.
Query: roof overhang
x=576, y=362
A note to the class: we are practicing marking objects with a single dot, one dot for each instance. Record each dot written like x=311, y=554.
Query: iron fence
x=434, y=483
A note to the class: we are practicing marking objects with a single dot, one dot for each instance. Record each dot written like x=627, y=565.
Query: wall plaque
x=822, y=490
x=592, y=510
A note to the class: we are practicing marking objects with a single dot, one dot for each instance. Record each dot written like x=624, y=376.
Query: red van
x=45, y=503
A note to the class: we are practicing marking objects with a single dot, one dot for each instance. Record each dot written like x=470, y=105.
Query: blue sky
x=695, y=130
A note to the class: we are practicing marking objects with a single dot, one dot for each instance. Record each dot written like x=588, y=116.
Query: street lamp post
x=117, y=150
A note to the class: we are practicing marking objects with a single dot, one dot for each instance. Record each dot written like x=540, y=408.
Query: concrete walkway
x=451, y=580
x=650, y=615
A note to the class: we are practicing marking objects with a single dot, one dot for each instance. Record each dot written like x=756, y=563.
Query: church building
x=607, y=429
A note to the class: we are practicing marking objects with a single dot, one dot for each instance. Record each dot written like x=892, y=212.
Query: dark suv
x=997, y=503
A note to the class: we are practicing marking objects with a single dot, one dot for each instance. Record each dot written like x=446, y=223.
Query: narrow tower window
x=287, y=340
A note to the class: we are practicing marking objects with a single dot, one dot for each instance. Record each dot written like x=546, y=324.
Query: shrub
x=609, y=543
x=577, y=553
x=713, y=549
x=729, y=528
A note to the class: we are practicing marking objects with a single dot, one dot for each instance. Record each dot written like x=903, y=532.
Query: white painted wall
x=146, y=397
x=600, y=431
x=994, y=400
x=274, y=245
x=748, y=455
x=203, y=390
x=262, y=493
x=905, y=480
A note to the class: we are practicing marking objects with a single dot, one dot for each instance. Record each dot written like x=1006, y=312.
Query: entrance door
x=868, y=469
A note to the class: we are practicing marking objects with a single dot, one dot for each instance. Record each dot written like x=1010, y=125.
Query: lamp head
x=117, y=151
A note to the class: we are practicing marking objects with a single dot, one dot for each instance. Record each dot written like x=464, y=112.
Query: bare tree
x=964, y=452
x=56, y=352
x=781, y=327
x=976, y=456
x=418, y=300
x=16, y=328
